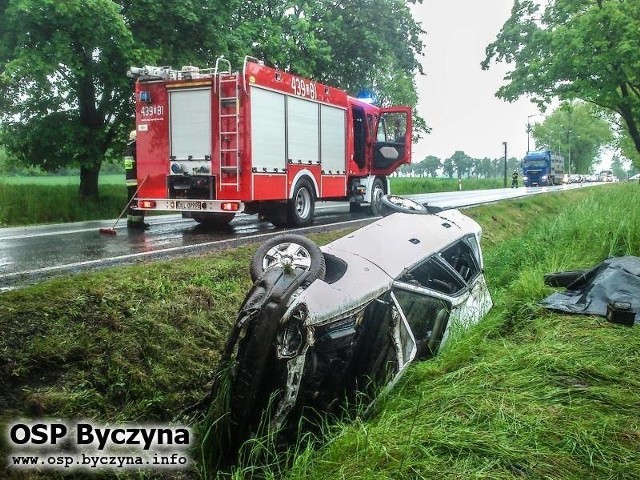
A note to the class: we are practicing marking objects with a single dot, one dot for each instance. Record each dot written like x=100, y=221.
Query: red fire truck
x=212, y=143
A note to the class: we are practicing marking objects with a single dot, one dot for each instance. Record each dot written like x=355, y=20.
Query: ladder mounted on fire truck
x=229, y=121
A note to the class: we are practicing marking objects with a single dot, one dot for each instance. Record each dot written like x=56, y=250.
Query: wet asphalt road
x=30, y=254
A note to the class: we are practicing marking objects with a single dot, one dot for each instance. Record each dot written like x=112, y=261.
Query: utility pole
x=505, y=164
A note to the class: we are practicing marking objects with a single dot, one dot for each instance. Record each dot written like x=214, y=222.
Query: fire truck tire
x=393, y=203
x=302, y=204
x=377, y=192
x=213, y=219
x=292, y=250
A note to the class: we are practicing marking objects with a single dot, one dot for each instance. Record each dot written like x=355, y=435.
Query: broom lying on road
x=112, y=230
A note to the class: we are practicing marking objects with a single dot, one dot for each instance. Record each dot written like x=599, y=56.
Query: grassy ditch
x=526, y=393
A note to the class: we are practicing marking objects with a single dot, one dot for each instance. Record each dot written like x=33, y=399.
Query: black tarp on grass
x=589, y=291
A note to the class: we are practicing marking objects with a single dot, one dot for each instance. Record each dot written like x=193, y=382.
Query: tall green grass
x=28, y=204
x=525, y=394
x=105, y=179
x=408, y=186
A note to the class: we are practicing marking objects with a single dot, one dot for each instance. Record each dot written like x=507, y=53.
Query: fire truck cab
x=212, y=143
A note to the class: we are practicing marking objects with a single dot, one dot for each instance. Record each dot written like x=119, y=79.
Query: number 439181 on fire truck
x=212, y=143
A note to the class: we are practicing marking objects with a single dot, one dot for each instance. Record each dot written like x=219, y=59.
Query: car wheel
x=254, y=356
x=301, y=205
x=393, y=203
x=293, y=251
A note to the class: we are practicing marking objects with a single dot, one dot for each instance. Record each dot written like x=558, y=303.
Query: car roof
x=400, y=241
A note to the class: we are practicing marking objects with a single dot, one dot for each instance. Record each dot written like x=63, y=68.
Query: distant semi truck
x=542, y=168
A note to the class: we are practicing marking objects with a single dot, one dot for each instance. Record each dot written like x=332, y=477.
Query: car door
x=465, y=258
x=392, y=144
x=427, y=294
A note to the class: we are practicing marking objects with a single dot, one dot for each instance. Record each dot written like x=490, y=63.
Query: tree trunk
x=89, y=181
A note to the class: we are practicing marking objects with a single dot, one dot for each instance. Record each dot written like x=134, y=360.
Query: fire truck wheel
x=290, y=250
x=377, y=192
x=302, y=204
x=213, y=219
x=393, y=203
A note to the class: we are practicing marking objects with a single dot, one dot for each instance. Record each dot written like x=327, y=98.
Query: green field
x=525, y=394
x=55, y=199
x=53, y=180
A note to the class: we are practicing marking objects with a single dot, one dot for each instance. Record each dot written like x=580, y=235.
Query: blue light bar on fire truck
x=367, y=96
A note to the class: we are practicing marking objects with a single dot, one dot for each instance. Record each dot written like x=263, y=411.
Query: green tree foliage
x=65, y=99
x=369, y=44
x=431, y=165
x=577, y=131
x=618, y=168
x=462, y=163
x=585, y=49
x=483, y=168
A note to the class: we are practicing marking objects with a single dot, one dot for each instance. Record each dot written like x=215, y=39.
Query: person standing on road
x=135, y=218
x=514, y=179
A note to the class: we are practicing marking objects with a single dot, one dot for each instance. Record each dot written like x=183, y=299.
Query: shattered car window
x=462, y=260
x=433, y=275
x=475, y=246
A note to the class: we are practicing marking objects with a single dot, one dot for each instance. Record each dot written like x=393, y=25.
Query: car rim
x=287, y=254
x=303, y=203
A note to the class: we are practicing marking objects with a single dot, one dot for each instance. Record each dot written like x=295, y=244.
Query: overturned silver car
x=323, y=328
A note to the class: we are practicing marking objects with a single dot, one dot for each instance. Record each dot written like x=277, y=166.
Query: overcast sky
x=457, y=97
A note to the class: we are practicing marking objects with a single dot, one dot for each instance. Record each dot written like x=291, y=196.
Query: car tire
x=293, y=250
x=393, y=204
x=252, y=360
x=563, y=279
x=301, y=206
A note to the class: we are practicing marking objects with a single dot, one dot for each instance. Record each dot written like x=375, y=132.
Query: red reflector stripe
x=147, y=204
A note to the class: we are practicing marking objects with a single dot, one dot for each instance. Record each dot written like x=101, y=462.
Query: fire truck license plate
x=189, y=205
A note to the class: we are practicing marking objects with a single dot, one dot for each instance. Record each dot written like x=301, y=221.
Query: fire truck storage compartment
x=290, y=129
x=190, y=144
x=268, y=137
x=302, y=130
x=190, y=112
x=333, y=142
